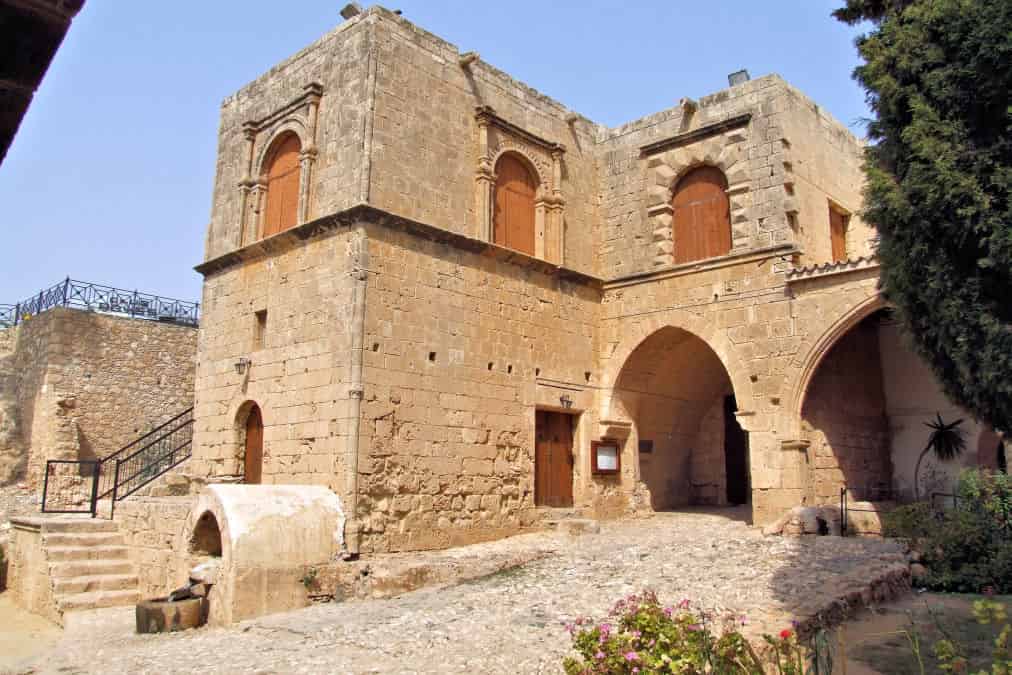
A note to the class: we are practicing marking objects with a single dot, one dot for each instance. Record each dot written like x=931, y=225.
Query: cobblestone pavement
x=511, y=622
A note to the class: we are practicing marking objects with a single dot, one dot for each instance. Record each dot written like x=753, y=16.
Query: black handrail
x=152, y=438
x=145, y=462
x=7, y=315
x=106, y=300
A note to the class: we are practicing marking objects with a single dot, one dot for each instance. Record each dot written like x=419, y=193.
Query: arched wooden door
x=702, y=215
x=281, y=211
x=513, y=219
x=254, y=456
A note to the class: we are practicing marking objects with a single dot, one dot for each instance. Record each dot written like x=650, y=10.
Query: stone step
x=87, y=568
x=79, y=525
x=96, y=600
x=82, y=539
x=96, y=582
x=68, y=553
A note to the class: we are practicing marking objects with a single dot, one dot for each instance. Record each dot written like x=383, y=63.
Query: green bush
x=967, y=548
x=912, y=521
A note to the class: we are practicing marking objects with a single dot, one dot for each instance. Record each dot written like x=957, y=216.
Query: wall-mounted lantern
x=566, y=402
x=242, y=364
x=605, y=457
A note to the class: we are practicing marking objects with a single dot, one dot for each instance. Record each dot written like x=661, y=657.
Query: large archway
x=677, y=393
x=863, y=411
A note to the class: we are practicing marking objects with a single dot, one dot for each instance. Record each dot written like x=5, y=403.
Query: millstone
x=161, y=616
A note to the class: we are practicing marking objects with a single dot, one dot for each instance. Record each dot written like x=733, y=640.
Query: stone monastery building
x=464, y=307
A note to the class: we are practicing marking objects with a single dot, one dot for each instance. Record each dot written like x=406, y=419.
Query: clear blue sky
x=109, y=178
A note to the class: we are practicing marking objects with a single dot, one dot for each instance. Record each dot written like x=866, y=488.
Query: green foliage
x=968, y=548
x=912, y=521
x=641, y=636
x=939, y=174
x=946, y=442
x=952, y=656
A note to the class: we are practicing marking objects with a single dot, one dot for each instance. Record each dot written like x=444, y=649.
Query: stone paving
x=512, y=621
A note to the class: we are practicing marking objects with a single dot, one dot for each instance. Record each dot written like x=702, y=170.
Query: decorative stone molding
x=300, y=117
x=722, y=145
x=496, y=137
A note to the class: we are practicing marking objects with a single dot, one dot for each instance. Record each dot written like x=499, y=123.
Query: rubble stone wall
x=460, y=350
x=86, y=384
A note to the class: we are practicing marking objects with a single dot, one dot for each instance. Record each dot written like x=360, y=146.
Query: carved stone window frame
x=722, y=145
x=497, y=137
x=299, y=117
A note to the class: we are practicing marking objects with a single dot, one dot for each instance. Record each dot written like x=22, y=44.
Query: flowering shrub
x=642, y=636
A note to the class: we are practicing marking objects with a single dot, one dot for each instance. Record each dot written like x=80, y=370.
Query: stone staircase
x=89, y=565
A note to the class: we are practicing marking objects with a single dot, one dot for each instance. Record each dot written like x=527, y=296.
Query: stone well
x=265, y=539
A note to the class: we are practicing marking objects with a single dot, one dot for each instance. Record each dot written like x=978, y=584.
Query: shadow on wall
x=844, y=418
x=692, y=451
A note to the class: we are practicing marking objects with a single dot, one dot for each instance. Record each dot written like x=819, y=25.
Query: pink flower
x=599, y=656
x=684, y=604
x=636, y=633
x=635, y=669
x=742, y=619
x=605, y=628
x=570, y=628
x=632, y=656
x=693, y=627
x=667, y=612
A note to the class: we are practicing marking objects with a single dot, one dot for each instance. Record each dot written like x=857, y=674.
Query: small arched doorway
x=515, y=191
x=253, y=457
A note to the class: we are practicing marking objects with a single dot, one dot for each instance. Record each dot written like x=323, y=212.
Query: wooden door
x=735, y=455
x=513, y=219
x=254, y=457
x=283, y=178
x=553, y=459
x=838, y=234
x=701, y=215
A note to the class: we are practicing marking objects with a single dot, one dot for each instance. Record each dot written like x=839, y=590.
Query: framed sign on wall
x=605, y=457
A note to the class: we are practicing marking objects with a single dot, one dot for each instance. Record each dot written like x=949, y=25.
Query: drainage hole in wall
x=432, y=356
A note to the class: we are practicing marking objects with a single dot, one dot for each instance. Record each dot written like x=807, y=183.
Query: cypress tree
x=939, y=171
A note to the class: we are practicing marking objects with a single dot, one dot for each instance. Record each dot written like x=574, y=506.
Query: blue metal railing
x=105, y=300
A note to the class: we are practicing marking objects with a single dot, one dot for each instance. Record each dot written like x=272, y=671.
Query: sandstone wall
x=460, y=349
x=86, y=384
x=339, y=62
x=425, y=143
x=844, y=418
x=299, y=377
x=751, y=158
x=153, y=531
x=826, y=160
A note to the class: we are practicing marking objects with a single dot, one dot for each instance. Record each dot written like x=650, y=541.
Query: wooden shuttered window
x=701, y=215
x=513, y=218
x=838, y=233
x=283, y=178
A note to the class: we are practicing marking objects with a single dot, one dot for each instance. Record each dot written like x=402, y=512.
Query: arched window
x=283, y=176
x=513, y=219
x=702, y=215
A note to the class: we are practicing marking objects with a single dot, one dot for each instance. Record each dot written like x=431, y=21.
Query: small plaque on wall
x=605, y=457
x=646, y=447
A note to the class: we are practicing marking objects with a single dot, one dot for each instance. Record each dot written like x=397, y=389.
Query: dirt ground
x=22, y=635
x=879, y=642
